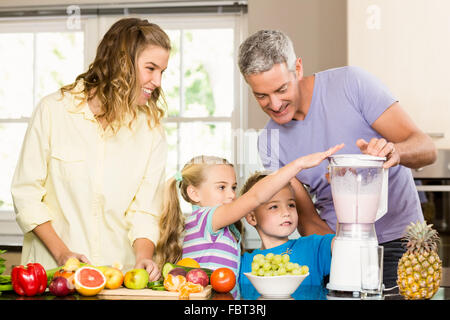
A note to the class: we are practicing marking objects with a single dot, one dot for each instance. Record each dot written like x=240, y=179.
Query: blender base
x=343, y=288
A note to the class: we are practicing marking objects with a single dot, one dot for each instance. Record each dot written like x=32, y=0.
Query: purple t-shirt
x=345, y=103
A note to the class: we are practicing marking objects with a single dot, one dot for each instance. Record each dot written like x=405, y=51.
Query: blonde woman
x=89, y=180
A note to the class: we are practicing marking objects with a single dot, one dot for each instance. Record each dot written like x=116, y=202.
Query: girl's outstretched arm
x=266, y=188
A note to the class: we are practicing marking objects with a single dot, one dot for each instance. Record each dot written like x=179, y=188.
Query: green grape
x=296, y=272
x=258, y=257
x=282, y=271
x=276, y=265
x=268, y=273
x=304, y=269
x=276, y=259
x=290, y=266
x=269, y=256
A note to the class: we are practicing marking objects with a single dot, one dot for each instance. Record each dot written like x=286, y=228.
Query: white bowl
x=276, y=286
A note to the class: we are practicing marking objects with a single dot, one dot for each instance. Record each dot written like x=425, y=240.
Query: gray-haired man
x=312, y=113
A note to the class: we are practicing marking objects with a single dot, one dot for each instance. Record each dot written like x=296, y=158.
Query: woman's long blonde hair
x=171, y=225
x=112, y=77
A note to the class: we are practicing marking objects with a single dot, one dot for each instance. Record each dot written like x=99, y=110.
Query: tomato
x=223, y=280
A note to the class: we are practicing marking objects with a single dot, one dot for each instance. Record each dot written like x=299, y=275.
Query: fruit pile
x=187, y=277
x=276, y=265
x=86, y=280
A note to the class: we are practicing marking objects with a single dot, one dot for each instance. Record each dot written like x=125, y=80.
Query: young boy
x=274, y=221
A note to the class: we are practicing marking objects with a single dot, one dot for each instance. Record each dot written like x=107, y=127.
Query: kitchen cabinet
x=405, y=44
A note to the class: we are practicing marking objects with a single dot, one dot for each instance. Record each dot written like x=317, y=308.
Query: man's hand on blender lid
x=380, y=148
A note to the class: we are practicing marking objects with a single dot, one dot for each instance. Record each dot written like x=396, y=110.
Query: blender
x=359, y=185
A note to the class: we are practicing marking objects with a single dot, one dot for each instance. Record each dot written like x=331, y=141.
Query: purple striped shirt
x=211, y=249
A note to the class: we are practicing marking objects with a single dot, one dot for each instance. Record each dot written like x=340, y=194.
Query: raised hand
x=315, y=159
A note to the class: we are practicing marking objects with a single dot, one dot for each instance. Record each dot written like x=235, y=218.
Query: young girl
x=212, y=232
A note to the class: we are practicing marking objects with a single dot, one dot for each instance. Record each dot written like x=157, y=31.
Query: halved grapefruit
x=89, y=281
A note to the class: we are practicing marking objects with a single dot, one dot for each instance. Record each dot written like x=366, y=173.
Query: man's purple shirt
x=345, y=103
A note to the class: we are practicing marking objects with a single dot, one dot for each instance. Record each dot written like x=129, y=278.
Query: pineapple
x=420, y=268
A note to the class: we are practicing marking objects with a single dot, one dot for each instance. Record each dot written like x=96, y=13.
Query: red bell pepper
x=30, y=280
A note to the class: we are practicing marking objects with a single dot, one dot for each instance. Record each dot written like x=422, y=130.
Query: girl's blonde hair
x=171, y=225
x=112, y=77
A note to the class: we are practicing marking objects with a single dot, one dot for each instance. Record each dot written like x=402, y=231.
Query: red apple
x=198, y=276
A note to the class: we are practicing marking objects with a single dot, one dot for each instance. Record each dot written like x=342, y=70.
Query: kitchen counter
x=308, y=293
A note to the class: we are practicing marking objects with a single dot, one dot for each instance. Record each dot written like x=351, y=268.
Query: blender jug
x=359, y=186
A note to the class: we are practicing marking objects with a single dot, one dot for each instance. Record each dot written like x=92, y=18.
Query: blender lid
x=356, y=160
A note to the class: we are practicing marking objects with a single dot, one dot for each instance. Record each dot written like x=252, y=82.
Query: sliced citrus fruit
x=173, y=283
x=188, y=262
x=188, y=288
x=89, y=281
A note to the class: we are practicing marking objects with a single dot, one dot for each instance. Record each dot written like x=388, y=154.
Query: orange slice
x=89, y=281
x=188, y=262
x=188, y=288
x=173, y=283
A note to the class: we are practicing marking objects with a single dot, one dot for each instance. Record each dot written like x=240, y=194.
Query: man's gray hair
x=259, y=52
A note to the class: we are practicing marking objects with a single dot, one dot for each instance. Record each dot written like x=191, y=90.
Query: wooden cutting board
x=148, y=294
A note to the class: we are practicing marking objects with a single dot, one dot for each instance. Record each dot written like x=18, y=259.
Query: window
x=40, y=58
x=200, y=90
x=201, y=86
x=37, y=58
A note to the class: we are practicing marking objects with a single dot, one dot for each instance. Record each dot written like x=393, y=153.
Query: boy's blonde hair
x=171, y=225
x=252, y=180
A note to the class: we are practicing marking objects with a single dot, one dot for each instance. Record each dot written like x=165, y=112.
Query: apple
x=136, y=279
x=198, y=276
x=114, y=277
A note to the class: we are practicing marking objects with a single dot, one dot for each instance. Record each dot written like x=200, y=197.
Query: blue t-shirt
x=313, y=251
x=345, y=103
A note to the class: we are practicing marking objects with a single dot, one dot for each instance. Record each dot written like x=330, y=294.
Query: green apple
x=136, y=279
